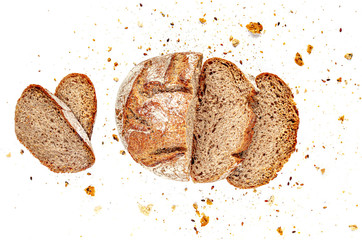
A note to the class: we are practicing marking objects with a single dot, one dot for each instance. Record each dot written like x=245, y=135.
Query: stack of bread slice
x=183, y=120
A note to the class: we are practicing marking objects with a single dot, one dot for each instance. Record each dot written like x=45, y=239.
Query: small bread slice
x=50, y=131
x=224, y=120
x=275, y=134
x=77, y=91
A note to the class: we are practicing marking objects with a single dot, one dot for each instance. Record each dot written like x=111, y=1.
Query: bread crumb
x=209, y=201
x=298, y=59
x=90, y=191
x=97, y=209
x=339, y=79
x=66, y=184
x=280, y=230
x=353, y=227
x=323, y=170
x=309, y=49
x=254, y=27
x=21, y=151
x=140, y=24
x=341, y=118
x=196, y=209
x=109, y=49
x=115, y=137
x=88, y=173
x=8, y=155
x=204, y=220
x=271, y=200
x=116, y=79
x=173, y=207
x=109, y=59
x=348, y=56
x=231, y=38
x=145, y=210
x=122, y=152
x=202, y=20
x=235, y=42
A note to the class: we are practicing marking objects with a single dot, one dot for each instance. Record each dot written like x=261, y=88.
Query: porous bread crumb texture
x=224, y=121
x=42, y=128
x=254, y=27
x=77, y=91
x=298, y=59
x=275, y=134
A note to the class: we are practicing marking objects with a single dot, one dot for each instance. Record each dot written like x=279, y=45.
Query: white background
x=43, y=41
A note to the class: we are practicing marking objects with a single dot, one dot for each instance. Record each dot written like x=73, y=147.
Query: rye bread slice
x=155, y=110
x=77, y=91
x=224, y=120
x=50, y=131
x=275, y=134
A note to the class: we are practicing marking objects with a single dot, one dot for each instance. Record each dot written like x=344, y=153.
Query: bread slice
x=48, y=128
x=224, y=120
x=77, y=91
x=275, y=134
x=155, y=110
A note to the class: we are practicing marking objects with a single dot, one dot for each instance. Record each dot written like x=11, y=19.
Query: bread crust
x=71, y=121
x=248, y=132
x=93, y=112
x=151, y=110
x=279, y=163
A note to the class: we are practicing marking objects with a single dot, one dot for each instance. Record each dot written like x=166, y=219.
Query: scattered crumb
x=309, y=49
x=31, y=178
x=197, y=232
x=116, y=79
x=115, y=137
x=8, y=155
x=21, y=151
x=109, y=59
x=323, y=170
x=348, y=56
x=145, y=210
x=196, y=209
x=109, y=49
x=353, y=227
x=280, y=230
x=66, y=184
x=209, y=201
x=97, y=209
x=204, y=220
x=341, y=118
x=202, y=20
x=90, y=191
x=271, y=200
x=115, y=64
x=339, y=79
x=231, y=38
x=173, y=207
x=298, y=59
x=254, y=27
x=235, y=42
x=140, y=24
x=122, y=152
x=88, y=173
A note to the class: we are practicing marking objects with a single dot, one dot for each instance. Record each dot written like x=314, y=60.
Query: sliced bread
x=77, y=91
x=50, y=131
x=224, y=120
x=275, y=134
x=155, y=110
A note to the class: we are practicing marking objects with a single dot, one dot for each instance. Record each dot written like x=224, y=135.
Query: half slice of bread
x=224, y=120
x=50, y=131
x=275, y=134
x=77, y=91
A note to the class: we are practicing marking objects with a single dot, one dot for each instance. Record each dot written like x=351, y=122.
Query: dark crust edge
x=66, y=119
x=248, y=133
x=94, y=113
x=286, y=159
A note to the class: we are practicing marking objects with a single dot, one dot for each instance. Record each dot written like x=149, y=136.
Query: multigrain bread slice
x=224, y=120
x=50, y=131
x=155, y=110
x=77, y=91
x=275, y=134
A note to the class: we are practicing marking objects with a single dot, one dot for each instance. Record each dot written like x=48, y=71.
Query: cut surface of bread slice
x=50, y=131
x=275, y=134
x=77, y=91
x=155, y=109
x=224, y=120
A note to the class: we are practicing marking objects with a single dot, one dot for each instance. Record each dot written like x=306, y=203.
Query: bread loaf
x=275, y=134
x=224, y=120
x=77, y=92
x=50, y=131
x=155, y=110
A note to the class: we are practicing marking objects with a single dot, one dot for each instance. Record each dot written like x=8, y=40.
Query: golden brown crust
x=48, y=164
x=288, y=95
x=93, y=112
